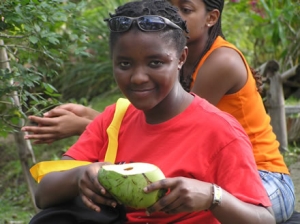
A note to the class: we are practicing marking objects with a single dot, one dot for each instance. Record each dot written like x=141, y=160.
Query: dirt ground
x=295, y=174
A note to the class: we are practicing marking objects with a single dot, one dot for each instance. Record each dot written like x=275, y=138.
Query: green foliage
x=37, y=45
x=90, y=74
x=279, y=32
x=265, y=30
x=14, y=195
x=292, y=155
x=15, y=200
x=54, y=47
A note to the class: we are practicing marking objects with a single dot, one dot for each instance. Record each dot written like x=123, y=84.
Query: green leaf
x=267, y=9
x=49, y=88
x=60, y=16
x=37, y=27
x=33, y=39
x=275, y=36
x=257, y=18
x=53, y=40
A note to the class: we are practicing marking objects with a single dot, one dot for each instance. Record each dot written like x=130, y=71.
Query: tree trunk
x=276, y=104
x=24, y=146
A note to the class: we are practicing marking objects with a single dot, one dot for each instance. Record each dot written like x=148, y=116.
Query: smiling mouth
x=142, y=90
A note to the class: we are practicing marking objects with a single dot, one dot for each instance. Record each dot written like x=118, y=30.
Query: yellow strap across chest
x=39, y=170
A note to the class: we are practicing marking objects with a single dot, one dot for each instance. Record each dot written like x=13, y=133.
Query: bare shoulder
x=224, y=72
x=225, y=59
x=226, y=65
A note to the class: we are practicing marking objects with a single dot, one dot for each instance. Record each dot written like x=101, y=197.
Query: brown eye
x=155, y=63
x=185, y=10
x=124, y=64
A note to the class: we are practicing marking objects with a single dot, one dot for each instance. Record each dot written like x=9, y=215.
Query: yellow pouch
x=39, y=170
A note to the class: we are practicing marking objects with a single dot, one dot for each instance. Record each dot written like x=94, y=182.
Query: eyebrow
x=184, y=1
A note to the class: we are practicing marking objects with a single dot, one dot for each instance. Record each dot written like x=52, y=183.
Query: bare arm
x=223, y=72
x=59, y=187
x=233, y=210
x=188, y=195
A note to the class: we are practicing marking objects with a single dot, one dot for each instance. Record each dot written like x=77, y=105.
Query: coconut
x=125, y=182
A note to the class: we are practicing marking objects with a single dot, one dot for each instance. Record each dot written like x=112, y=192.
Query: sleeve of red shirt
x=92, y=143
x=235, y=170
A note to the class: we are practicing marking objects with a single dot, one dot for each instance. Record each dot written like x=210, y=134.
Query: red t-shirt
x=201, y=143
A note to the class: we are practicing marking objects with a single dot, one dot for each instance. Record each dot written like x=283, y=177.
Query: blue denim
x=280, y=189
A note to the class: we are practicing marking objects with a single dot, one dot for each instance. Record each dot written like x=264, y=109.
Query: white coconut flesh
x=126, y=183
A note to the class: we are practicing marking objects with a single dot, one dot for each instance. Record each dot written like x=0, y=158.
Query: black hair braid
x=214, y=32
x=152, y=7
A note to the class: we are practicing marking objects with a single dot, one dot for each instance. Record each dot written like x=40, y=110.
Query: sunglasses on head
x=145, y=23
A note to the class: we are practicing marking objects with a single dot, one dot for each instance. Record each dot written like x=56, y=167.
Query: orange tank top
x=247, y=107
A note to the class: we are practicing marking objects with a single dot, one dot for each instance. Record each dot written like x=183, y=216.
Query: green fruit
x=125, y=182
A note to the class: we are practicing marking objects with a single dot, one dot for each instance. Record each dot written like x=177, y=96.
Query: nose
x=139, y=76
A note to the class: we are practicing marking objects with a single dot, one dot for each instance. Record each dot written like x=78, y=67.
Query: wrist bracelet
x=217, y=196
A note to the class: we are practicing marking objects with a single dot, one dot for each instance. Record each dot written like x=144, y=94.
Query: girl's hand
x=186, y=195
x=91, y=191
x=60, y=124
x=77, y=109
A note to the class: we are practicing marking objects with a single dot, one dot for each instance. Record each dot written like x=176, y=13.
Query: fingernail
x=147, y=213
x=46, y=114
x=145, y=189
x=114, y=204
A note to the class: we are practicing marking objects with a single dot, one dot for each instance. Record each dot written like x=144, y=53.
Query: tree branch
x=10, y=36
x=5, y=102
x=4, y=61
x=28, y=48
x=16, y=127
x=20, y=46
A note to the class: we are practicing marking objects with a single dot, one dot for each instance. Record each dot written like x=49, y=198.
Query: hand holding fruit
x=186, y=195
x=126, y=183
x=91, y=191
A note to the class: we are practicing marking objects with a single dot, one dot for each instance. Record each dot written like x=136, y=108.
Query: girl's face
x=146, y=68
x=196, y=17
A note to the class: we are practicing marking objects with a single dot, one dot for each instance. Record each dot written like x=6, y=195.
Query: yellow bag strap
x=39, y=170
x=113, y=130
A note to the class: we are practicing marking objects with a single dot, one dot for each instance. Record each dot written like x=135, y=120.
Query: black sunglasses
x=145, y=23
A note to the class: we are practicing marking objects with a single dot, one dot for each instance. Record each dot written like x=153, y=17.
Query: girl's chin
x=143, y=105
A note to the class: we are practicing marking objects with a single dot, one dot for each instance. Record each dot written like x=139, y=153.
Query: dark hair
x=214, y=32
x=153, y=7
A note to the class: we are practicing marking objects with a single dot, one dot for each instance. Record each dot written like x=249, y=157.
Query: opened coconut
x=125, y=182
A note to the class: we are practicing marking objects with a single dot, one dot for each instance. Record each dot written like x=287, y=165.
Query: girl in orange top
x=217, y=71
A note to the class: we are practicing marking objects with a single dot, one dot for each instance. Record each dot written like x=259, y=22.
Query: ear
x=183, y=57
x=212, y=17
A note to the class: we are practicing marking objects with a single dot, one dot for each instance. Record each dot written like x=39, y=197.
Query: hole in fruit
x=128, y=168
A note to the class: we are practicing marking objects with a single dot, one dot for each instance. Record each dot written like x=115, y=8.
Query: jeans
x=280, y=189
